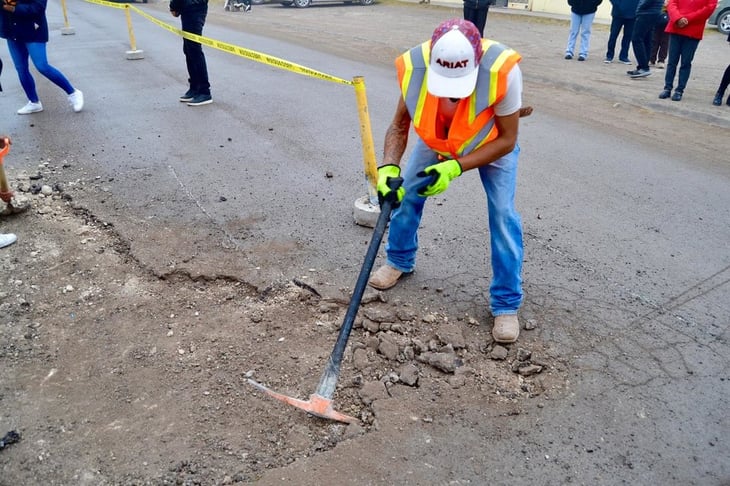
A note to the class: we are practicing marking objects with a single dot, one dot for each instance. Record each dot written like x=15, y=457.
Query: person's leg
x=480, y=19
x=586, y=26
x=641, y=40
x=573, y=34
x=623, y=54
x=402, y=241
x=724, y=82
x=37, y=51
x=19, y=54
x=687, y=54
x=193, y=22
x=655, y=37
x=672, y=61
x=663, y=46
x=615, y=29
x=505, y=229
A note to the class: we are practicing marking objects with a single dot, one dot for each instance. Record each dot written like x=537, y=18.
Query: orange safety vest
x=473, y=123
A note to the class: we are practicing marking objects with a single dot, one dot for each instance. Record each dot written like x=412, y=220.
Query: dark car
x=721, y=16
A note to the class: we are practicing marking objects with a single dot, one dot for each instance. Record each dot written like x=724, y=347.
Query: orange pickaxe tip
x=316, y=405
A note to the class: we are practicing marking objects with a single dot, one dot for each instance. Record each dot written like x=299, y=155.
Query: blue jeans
x=684, y=48
x=193, y=22
x=19, y=52
x=617, y=23
x=582, y=23
x=505, y=228
x=641, y=38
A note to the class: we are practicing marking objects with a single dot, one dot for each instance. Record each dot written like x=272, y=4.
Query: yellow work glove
x=441, y=175
x=386, y=173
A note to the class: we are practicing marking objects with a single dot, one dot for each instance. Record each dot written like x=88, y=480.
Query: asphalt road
x=627, y=266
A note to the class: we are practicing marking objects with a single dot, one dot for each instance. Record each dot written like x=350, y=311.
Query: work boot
x=385, y=277
x=506, y=328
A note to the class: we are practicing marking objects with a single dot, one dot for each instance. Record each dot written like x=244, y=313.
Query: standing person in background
x=660, y=40
x=647, y=14
x=724, y=82
x=687, y=19
x=192, y=15
x=582, y=13
x=476, y=11
x=23, y=24
x=623, y=15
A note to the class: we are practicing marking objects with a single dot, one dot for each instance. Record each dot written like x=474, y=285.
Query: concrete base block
x=365, y=213
x=138, y=54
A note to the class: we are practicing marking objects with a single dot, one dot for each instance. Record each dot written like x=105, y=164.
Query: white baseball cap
x=456, y=50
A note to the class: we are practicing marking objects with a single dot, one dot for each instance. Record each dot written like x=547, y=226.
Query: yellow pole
x=368, y=149
x=132, y=42
x=65, y=13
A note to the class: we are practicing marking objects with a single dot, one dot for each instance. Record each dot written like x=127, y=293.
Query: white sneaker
x=7, y=239
x=77, y=100
x=30, y=108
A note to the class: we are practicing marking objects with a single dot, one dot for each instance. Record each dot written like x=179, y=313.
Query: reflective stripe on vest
x=473, y=123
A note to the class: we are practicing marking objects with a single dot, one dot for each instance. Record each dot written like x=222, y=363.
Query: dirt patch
x=114, y=374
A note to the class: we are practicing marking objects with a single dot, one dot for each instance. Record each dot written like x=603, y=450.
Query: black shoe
x=665, y=94
x=188, y=96
x=202, y=99
x=677, y=96
x=639, y=73
x=569, y=56
x=581, y=58
x=717, y=101
x=624, y=61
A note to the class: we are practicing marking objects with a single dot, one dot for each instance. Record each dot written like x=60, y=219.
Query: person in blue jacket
x=623, y=16
x=23, y=24
x=582, y=13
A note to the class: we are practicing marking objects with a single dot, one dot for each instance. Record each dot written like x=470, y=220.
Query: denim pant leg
x=616, y=23
x=675, y=48
x=505, y=230
x=193, y=22
x=586, y=26
x=687, y=54
x=626, y=39
x=37, y=51
x=641, y=39
x=19, y=55
x=402, y=241
x=573, y=35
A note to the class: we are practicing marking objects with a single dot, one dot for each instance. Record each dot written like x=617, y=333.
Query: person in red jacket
x=687, y=19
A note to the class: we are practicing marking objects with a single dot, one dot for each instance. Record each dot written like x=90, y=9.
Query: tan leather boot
x=384, y=277
x=506, y=328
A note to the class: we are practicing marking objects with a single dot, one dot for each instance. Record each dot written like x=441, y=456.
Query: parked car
x=721, y=16
x=307, y=3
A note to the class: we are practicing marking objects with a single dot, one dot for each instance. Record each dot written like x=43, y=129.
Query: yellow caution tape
x=229, y=48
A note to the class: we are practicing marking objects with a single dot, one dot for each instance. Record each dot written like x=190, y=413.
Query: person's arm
x=396, y=136
x=702, y=13
x=507, y=129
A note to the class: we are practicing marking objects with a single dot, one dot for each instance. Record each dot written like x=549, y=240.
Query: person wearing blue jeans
x=192, y=15
x=25, y=27
x=623, y=16
x=462, y=95
x=647, y=15
x=582, y=13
